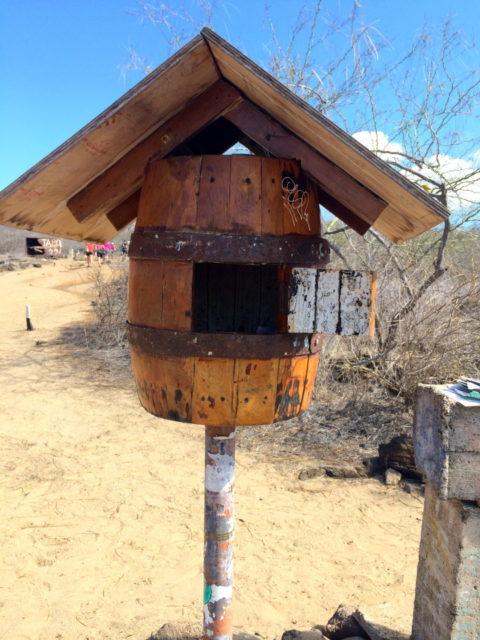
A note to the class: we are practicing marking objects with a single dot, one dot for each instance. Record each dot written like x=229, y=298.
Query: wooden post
x=219, y=531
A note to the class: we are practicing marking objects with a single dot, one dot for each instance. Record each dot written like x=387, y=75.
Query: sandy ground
x=101, y=503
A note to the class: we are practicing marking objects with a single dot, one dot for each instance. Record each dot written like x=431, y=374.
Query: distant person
x=125, y=247
x=101, y=252
x=89, y=251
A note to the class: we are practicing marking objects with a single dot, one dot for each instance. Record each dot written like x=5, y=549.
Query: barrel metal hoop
x=156, y=243
x=168, y=343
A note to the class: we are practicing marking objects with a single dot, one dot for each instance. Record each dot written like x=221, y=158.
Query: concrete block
x=446, y=438
x=447, y=597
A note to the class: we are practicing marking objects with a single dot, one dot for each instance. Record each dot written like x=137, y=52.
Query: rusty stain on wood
x=292, y=373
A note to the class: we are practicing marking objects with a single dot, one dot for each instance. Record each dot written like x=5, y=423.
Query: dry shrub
x=436, y=341
x=110, y=304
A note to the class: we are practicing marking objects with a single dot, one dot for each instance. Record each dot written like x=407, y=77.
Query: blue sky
x=62, y=62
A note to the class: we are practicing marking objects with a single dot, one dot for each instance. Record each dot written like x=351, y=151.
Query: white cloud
x=462, y=175
x=377, y=141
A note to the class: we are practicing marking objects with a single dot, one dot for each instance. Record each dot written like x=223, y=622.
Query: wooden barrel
x=210, y=258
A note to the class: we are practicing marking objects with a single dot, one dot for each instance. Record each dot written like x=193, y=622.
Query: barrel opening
x=235, y=297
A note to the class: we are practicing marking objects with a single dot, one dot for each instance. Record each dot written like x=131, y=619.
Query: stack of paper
x=467, y=390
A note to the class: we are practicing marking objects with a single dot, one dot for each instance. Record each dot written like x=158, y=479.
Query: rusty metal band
x=155, y=243
x=164, y=342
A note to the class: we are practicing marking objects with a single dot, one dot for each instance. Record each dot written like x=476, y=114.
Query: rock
x=414, y=488
x=306, y=474
x=293, y=634
x=398, y=454
x=392, y=478
x=342, y=471
x=37, y=265
x=373, y=466
x=343, y=624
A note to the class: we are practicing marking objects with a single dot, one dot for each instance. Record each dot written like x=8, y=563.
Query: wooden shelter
x=227, y=293
x=202, y=100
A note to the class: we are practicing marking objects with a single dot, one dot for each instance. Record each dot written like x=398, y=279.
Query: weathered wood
x=311, y=377
x=255, y=386
x=292, y=373
x=213, y=203
x=245, y=207
x=334, y=181
x=125, y=212
x=331, y=302
x=160, y=294
x=164, y=385
x=155, y=242
x=169, y=193
x=165, y=342
x=328, y=302
x=302, y=301
x=126, y=175
x=213, y=398
x=272, y=201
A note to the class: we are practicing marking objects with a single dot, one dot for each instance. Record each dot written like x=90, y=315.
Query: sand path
x=101, y=504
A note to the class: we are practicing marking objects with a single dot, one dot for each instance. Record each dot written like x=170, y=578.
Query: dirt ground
x=101, y=512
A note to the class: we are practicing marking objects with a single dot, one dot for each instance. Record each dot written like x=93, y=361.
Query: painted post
x=219, y=532
x=28, y=318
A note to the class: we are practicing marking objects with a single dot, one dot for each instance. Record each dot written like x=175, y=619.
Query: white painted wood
x=301, y=303
x=330, y=302
x=355, y=303
x=328, y=307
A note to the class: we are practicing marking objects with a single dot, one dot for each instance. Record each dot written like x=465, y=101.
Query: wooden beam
x=354, y=198
x=123, y=178
x=125, y=212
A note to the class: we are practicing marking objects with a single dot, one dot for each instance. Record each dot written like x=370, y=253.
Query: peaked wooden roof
x=202, y=100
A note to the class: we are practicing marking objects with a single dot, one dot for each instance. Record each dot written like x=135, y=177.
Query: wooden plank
x=164, y=385
x=302, y=300
x=355, y=303
x=213, y=392
x=328, y=302
x=292, y=373
x=333, y=180
x=299, y=201
x=255, y=386
x=272, y=200
x=245, y=209
x=169, y=194
x=310, y=381
x=125, y=212
x=342, y=212
x=160, y=294
x=214, y=194
x=126, y=175
x=331, y=302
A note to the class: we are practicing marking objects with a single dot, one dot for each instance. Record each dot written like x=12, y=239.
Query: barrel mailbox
x=211, y=260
